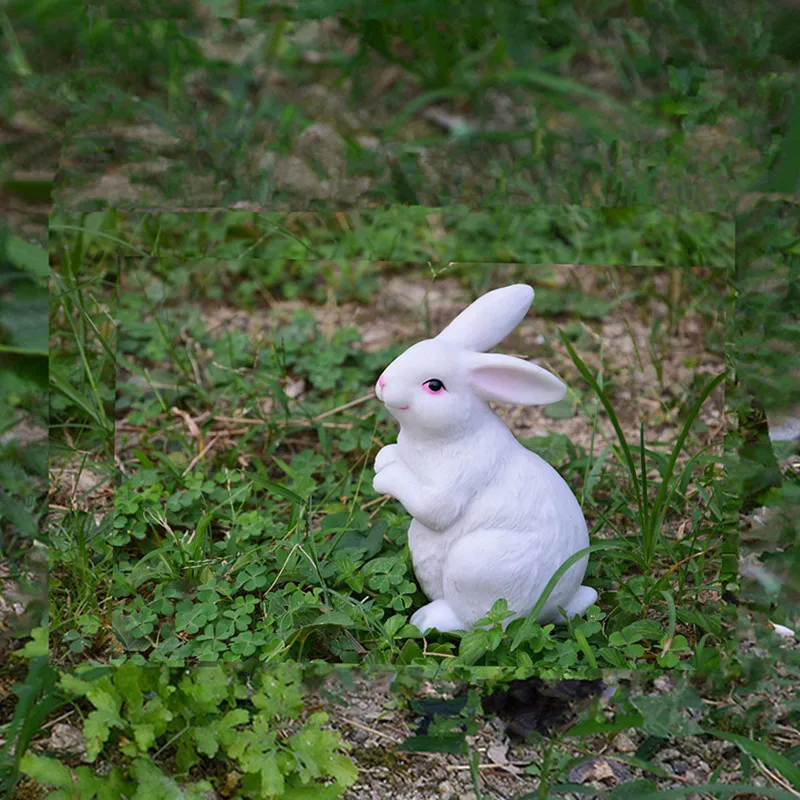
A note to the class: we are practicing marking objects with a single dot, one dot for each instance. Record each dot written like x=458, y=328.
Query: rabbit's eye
x=434, y=385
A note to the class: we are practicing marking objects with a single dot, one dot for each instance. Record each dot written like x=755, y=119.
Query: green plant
x=151, y=717
x=37, y=699
x=82, y=376
x=206, y=559
x=206, y=544
x=651, y=514
x=23, y=381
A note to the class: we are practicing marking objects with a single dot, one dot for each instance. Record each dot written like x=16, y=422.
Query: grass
x=650, y=517
x=503, y=235
x=23, y=475
x=244, y=524
x=260, y=541
x=23, y=406
x=592, y=134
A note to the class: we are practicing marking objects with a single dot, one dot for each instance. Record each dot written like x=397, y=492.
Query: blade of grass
x=761, y=752
x=177, y=360
x=17, y=60
x=100, y=338
x=585, y=648
x=38, y=698
x=717, y=790
x=544, y=771
x=415, y=105
x=647, y=541
x=85, y=363
x=523, y=632
x=594, y=467
x=556, y=84
x=276, y=488
x=593, y=474
x=97, y=416
x=607, y=727
x=667, y=488
x=667, y=595
x=589, y=378
x=101, y=235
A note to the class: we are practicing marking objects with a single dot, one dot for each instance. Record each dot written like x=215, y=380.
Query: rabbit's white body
x=491, y=518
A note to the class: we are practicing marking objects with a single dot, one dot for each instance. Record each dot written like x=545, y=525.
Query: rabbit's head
x=441, y=385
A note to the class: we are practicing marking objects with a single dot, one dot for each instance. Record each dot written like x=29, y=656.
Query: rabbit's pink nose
x=381, y=381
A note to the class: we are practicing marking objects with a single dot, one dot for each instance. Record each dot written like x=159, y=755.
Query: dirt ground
x=395, y=316
x=366, y=717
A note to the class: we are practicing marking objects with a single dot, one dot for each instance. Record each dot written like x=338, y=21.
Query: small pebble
x=623, y=743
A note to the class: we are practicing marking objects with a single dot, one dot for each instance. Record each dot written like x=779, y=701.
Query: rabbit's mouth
x=397, y=408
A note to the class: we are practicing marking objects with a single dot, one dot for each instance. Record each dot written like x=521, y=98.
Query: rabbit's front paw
x=386, y=455
x=392, y=479
x=439, y=615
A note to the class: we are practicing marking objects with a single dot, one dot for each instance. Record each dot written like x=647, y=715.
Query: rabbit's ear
x=505, y=379
x=490, y=318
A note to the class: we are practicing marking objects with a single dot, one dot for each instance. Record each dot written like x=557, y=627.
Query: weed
x=155, y=718
x=242, y=528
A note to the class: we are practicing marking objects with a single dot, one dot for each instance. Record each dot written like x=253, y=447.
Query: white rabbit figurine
x=491, y=518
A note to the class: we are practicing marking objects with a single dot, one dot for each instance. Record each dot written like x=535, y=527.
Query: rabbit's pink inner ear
x=505, y=379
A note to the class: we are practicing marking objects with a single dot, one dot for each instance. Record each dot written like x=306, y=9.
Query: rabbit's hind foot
x=439, y=615
x=576, y=607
